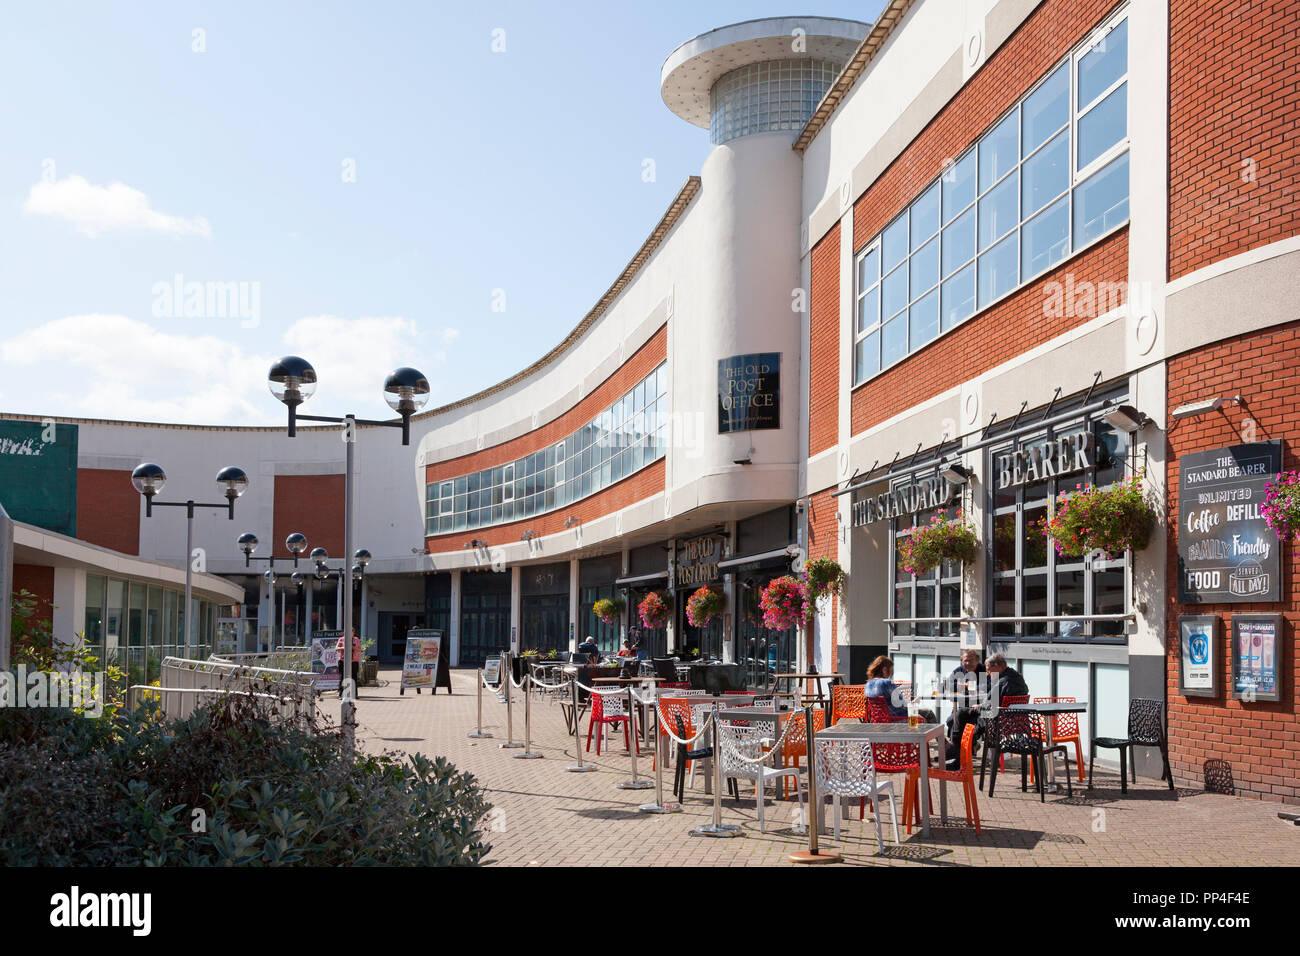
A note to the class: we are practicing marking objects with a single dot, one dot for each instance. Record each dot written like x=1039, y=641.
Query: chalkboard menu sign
x=1226, y=551
x=749, y=392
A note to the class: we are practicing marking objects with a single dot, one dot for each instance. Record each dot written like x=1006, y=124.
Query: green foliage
x=1111, y=519
x=125, y=793
x=945, y=538
x=823, y=577
x=33, y=644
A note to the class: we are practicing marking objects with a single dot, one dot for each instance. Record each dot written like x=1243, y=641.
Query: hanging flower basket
x=784, y=603
x=1112, y=519
x=654, y=610
x=609, y=610
x=822, y=578
x=704, y=605
x=1281, y=508
x=943, y=539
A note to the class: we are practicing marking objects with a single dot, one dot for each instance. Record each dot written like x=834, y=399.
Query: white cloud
x=97, y=209
x=113, y=366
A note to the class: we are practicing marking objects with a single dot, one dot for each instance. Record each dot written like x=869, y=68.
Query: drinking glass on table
x=913, y=714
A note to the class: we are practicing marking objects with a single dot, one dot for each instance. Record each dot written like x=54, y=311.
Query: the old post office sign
x=697, y=561
x=1037, y=461
x=749, y=392
x=1226, y=550
x=921, y=495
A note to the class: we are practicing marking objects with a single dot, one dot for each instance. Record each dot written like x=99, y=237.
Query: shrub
x=609, y=610
x=126, y=792
x=1281, y=508
x=784, y=603
x=654, y=610
x=943, y=539
x=1111, y=519
x=704, y=605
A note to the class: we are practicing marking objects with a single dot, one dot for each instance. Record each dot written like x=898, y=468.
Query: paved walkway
x=545, y=816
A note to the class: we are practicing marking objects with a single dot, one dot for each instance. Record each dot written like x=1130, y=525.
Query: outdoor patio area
x=546, y=816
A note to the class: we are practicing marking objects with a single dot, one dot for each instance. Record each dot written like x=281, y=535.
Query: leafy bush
x=225, y=787
x=784, y=603
x=1281, y=508
x=1111, y=519
x=609, y=610
x=704, y=605
x=33, y=644
x=654, y=610
x=943, y=539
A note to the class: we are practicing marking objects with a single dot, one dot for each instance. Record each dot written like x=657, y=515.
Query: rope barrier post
x=507, y=682
x=528, y=722
x=717, y=828
x=478, y=734
x=812, y=854
x=661, y=754
x=501, y=684
x=634, y=783
x=579, y=767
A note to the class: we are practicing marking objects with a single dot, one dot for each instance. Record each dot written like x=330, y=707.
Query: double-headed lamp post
x=149, y=480
x=292, y=380
x=295, y=544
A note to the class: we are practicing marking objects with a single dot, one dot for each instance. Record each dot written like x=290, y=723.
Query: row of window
x=621, y=440
x=1029, y=579
x=1046, y=180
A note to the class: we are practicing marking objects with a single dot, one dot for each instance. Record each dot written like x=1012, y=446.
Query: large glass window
x=934, y=594
x=1047, y=179
x=619, y=441
x=1029, y=579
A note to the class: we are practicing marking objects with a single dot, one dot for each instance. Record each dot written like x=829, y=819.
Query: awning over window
x=636, y=580
x=780, y=558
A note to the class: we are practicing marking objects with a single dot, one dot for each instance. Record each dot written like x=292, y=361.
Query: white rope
x=732, y=751
x=663, y=725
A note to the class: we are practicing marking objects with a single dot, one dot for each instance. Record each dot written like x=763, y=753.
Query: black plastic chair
x=1016, y=732
x=684, y=754
x=1146, y=728
x=664, y=667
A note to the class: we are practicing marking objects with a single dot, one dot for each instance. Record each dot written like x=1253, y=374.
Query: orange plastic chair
x=668, y=708
x=796, y=743
x=848, y=701
x=965, y=776
x=1065, y=729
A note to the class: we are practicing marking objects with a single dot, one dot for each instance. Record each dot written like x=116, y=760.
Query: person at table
x=1006, y=681
x=880, y=683
x=968, y=681
x=628, y=649
x=590, y=649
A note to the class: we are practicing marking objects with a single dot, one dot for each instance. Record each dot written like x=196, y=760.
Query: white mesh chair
x=845, y=769
x=748, y=742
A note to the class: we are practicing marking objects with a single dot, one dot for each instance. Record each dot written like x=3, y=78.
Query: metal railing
x=181, y=676
x=177, y=703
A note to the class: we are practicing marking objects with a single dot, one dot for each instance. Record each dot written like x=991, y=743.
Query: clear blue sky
x=475, y=171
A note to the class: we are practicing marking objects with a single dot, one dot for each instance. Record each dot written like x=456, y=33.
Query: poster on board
x=1257, y=652
x=420, y=666
x=1198, y=643
x=325, y=659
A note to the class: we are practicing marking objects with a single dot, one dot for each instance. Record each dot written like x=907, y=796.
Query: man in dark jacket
x=969, y=682
x=1007, y=681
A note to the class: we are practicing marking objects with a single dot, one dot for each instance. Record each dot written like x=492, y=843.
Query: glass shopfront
x=544, y=607
x=1027, y=577
x=484, y=616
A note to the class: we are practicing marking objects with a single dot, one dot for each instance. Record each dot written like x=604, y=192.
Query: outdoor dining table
x=901, y=733
x=1049, y=710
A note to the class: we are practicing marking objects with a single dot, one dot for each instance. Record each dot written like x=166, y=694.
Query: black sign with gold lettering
x=697, y=561
x=749, y=392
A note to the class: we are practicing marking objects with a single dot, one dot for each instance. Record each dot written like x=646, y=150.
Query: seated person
x=880, y=683
x=590, y=649
x=971, y=682
x=628, y=649
x=1007, y=681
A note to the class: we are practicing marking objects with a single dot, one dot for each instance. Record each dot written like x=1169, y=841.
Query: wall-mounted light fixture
x=1204, y=407
x=570, y=521
x=954, y=473
x=528, y=535
x=1126, y=418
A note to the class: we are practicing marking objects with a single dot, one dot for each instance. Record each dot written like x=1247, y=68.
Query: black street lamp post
x=149, y=479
